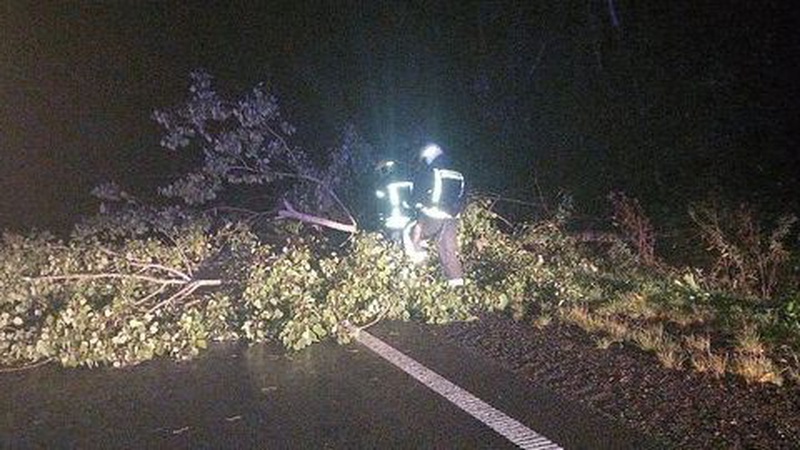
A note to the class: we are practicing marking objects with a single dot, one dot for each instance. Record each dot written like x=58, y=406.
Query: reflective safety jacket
x=439, y=191
x=395, y=192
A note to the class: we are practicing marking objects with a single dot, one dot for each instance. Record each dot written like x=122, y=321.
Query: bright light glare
x=430, y=152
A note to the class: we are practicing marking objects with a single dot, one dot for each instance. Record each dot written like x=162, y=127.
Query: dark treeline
x=672, y=103
x=667, y=101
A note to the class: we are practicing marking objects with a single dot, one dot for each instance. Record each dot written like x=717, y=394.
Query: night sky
x=672, y=101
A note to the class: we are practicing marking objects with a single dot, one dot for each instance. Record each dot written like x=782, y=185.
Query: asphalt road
x=328, y=396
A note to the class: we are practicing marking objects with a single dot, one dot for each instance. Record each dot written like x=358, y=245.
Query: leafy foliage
x=120, y=292
x=95, y=301
x=241, y=141
x=123, y=295
x=247, y=142
x=123, y=291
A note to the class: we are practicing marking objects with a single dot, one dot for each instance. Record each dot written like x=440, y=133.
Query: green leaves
x=113, y=295
x=117, y=292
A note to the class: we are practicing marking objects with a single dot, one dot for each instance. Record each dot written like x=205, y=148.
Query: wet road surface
x=328, y=396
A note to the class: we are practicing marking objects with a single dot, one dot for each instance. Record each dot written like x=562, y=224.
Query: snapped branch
x=290, y=213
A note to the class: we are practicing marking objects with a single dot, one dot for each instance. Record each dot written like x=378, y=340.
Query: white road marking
x=507, y=426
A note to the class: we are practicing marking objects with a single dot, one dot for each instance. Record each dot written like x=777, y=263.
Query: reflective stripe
x=397, y=221
x=416, y=256
x=436, y=213
x=438, y=176
x=394, y=191
x=437, y=186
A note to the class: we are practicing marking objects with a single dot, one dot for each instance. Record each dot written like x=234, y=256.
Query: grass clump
x=757, y=369
x=700, y=356
x=743, y=300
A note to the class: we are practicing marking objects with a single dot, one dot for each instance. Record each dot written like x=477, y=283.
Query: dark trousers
x=444, y=233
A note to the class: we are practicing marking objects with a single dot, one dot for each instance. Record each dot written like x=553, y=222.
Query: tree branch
x=151, y=295
x=26, y=367
x=291, y=213
x=96, y=276
x=184, y=292
x=333, y=195
x=175, y=272
x=144, y=265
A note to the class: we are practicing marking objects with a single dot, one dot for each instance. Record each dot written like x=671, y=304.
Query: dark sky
x=511, y=85
x=80, y=79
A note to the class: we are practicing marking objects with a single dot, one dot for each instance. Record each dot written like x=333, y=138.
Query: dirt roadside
x=687, y=409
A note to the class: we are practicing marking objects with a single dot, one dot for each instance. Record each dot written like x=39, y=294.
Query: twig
x=377, y=319
x=184, y=292
x=283, y=142
x=538, y=59
x=503, y=219
x=496, y=198
x=151, y=295
x=96, y=276
x=183, y=256
x=314, y=180
x=539, y=193
x=147, y=265
x=28, y=367
x=246, y=211
x=250, y=216
x=500, y=198
x=164, y=268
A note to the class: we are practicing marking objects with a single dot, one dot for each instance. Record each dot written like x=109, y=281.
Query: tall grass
x=749, y=257
x=740, y=300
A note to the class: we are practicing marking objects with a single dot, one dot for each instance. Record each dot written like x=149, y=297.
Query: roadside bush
x=749, y=257
x=633, y=223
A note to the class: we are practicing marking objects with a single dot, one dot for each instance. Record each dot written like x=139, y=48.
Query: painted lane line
x=495, y=419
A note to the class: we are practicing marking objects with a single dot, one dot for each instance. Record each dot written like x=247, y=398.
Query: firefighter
x=439, y=199
x=394, y=190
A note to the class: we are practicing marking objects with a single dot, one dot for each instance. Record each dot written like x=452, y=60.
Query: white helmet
x=430, y=152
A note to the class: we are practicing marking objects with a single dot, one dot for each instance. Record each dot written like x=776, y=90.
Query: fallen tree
x=138, y=281
x=124, y=297
x=246, y=142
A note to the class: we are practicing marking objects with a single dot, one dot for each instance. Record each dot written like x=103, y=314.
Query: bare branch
x=175, y=272
x=97, y=276
x=290, y=213
x=184, y=292
x=151, y=295
x=328, y=189
x=144, y=265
